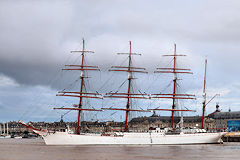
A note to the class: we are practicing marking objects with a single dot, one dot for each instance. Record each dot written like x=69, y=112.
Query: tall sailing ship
x=154, y=136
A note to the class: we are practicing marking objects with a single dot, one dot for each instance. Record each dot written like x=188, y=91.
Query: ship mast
x=174, y=96
x=83, y=67
x=174, y=83
x=129, y=95
x=204, y=94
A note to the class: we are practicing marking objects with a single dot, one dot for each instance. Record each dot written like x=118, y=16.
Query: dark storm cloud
x=36, y=37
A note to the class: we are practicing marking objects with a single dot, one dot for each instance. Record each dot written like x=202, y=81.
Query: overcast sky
x=36, y=38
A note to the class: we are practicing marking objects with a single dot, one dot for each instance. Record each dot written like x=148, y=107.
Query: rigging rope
x=107, y=81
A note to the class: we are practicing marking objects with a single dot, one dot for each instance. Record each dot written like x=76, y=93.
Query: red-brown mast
x=129, y=84
x=174, y=95
x=80, y=94
x=204, y=94
x=81, y=89
x=127, y=95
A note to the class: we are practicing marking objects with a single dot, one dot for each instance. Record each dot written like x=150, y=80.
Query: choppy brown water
x=35, y=149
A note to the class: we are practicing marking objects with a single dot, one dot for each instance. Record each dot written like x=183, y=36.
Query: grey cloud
x=36, y=37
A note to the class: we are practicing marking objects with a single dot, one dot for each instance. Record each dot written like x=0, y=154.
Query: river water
x=35, y=149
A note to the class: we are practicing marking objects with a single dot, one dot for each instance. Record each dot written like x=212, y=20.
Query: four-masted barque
x=156, y=136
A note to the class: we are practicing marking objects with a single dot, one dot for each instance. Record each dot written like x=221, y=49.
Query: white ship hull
x=64, y=138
